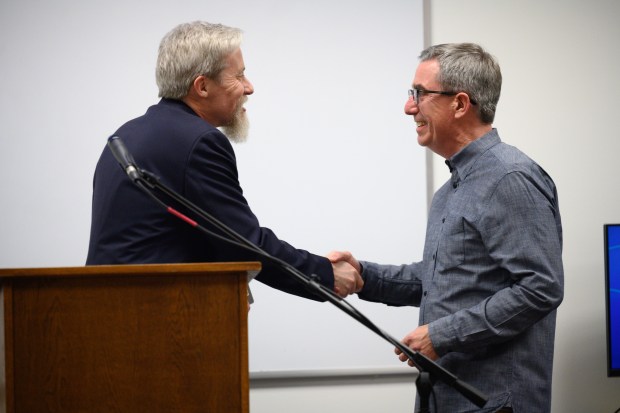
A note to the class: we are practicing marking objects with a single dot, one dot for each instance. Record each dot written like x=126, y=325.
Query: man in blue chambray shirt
x=491, y=276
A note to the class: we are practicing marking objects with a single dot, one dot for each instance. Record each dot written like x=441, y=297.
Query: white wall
x=561, y=63
x=561, y=68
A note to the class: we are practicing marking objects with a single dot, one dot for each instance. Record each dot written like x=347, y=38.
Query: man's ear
x=462, y=104
x=201, y=86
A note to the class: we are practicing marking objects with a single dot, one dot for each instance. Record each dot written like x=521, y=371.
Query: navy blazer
x=196, y=160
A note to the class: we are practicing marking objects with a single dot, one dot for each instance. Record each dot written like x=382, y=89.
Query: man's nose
x=410, y=106
x=248, y=87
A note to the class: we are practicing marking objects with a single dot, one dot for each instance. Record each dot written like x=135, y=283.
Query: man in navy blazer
x=200, y=75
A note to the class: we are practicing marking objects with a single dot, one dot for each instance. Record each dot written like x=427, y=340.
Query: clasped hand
x=347, y=278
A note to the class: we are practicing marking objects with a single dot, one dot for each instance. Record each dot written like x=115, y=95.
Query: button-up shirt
x=490, y=279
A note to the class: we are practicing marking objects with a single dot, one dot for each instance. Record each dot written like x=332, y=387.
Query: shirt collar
x=463, y=161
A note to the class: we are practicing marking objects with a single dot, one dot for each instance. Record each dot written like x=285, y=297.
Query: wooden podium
x=127, y=338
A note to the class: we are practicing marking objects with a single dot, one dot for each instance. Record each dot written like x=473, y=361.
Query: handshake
x=348, y=280
x=347, y=273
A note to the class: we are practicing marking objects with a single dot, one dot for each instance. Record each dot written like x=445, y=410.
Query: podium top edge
x=133, y=269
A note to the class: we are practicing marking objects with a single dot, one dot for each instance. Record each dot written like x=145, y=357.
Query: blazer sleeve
x=211, y=181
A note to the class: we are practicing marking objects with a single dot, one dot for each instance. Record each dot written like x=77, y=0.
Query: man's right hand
x=347, y=278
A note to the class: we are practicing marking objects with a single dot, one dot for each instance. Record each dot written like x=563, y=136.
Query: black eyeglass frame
x=415, y=94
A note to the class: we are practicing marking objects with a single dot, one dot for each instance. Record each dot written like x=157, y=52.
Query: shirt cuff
x=443, y=336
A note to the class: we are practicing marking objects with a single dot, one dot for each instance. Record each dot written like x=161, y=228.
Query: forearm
x=396, y=285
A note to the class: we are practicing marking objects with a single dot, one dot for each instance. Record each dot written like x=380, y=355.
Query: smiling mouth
x=420, y=123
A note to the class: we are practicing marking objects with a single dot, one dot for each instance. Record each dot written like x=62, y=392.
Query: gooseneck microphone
x=150, y=183
x=124, y=158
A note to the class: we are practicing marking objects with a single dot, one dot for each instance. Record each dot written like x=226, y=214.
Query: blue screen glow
x=613, y=299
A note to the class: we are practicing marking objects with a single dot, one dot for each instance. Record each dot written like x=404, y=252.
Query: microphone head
x=123, y=157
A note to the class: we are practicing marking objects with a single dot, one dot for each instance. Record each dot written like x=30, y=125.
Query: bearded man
x=201, y=80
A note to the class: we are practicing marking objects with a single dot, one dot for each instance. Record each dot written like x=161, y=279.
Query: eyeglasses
x=415, y=93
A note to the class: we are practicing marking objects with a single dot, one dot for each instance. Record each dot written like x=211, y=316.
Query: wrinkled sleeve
x=395, y=285
x=212, y=180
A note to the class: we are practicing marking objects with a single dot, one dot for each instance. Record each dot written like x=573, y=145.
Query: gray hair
x=190, y=50
x=467, y=67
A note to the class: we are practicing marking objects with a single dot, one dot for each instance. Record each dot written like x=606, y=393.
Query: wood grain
x=109, y=339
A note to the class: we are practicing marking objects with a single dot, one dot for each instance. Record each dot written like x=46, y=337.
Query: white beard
x=239, y=127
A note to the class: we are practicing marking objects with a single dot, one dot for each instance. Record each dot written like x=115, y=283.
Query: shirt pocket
x=451, y=250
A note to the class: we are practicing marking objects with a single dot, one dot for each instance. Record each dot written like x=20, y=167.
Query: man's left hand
x=420, y=341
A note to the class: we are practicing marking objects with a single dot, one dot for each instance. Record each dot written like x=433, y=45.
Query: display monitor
x=612, y=293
